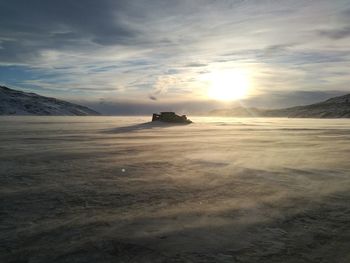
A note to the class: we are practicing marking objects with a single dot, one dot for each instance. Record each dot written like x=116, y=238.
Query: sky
x=136, y=56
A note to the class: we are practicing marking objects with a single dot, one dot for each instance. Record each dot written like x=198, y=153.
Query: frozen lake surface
x=114, y=189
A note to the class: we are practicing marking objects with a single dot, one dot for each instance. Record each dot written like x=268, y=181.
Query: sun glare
x=228, y=84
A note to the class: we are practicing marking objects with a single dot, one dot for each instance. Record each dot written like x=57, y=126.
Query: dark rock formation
x=170, y=117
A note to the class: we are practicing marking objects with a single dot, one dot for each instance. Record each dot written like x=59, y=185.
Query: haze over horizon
x=118, y=56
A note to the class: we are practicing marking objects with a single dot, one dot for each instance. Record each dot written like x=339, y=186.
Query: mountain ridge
x=15, y=102
x=336, y=107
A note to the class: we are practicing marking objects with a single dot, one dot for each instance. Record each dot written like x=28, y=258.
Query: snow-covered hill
x=337, y=107
x=14, y=102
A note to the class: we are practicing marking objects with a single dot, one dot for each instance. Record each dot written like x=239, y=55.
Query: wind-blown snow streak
x=114, y=189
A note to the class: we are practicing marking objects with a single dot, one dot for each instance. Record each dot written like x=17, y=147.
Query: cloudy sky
x=117, y=54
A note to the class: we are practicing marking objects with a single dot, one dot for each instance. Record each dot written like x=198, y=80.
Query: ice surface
x=118, y=189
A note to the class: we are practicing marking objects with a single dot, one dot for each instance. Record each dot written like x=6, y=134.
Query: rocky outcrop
x=170, y=117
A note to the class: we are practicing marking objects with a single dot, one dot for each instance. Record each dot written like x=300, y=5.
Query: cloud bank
x=157, y=50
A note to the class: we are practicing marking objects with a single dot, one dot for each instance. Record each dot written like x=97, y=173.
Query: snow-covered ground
x=114, y=189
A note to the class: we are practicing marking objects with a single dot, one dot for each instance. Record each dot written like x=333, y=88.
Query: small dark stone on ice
x=170, y=117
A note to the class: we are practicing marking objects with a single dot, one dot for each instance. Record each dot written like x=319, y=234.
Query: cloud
x=60, y=25
x=341, y=30
x=152, y=97
x=196, y=65
x=158, y=49
x=336, y=33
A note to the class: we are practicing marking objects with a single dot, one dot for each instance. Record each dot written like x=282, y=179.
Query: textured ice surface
x=116, y=189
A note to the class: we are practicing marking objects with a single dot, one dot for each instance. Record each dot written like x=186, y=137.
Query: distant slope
x=338, y=107
x=14, y=102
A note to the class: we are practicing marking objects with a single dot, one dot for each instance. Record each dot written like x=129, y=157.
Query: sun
x=228, y=85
